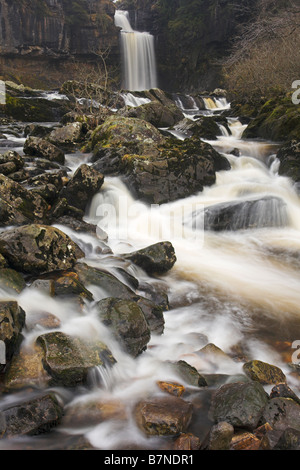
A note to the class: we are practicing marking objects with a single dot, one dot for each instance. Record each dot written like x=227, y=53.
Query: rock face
x=46, y=30
x=38, y=249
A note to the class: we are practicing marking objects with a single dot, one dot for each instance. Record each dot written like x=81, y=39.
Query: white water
x=233, y=289
x=138, y=54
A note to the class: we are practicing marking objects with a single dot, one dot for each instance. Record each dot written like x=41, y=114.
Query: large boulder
x=269, y=211
x=156, y=113
x=263, y=372
x=38, y=249
x=69, y=135
x=18, y=205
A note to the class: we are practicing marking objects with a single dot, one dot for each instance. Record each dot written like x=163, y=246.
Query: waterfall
x=138, y=55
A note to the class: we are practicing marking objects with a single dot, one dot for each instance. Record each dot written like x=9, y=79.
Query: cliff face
x=55, y=30
x=191, y=37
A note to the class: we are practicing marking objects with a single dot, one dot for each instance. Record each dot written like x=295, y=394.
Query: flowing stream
x=239, y=290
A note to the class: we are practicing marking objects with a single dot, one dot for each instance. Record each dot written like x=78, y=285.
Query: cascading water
x=138, y=55
x=233, y=288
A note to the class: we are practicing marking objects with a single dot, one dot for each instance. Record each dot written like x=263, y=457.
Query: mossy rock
x=12, y=280
x=263, y=372
x=68, y=359
x=34, y=109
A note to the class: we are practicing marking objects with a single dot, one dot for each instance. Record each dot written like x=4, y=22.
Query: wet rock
x=18, y=205
x=62, y=208
x=289, y=440
x=26, y=370
x=240, y=404
x=188, y=373
x=93, y=412
x=156, y=113
x=33, y=416
x=70, y=286
x=127, y=322
x=39, y=249
x=181, y=168
x=163, y=416
x=68, y=359
x=12, y=321
x=84, y=184
x=43, y=149
x=157, y=258
x=55, y=178
x=289, y=157
x=245, y=441
x=239, y=215
x=220, y=436
x=12, y=280
x=36, y=130
x=284, y=391
x=113, y=287
x=77, y=225
x=34, y=109
x=10, y=162
x=263, y=372
x=172, y=388
x=187, y=441
x=3, y=262
x=68, y=136
x=205, y=127
x=282, y=413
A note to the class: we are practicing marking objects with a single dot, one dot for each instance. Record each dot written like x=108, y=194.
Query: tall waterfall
x=138, y=55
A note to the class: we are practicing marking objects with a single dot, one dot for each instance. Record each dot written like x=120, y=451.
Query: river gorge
x=149, y=271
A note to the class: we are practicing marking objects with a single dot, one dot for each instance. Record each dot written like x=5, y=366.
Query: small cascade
x=134, y=101
x=138, y=55
x=216, y=104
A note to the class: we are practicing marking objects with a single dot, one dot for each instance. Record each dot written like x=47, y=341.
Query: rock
x=34, y=109
x=68, y=359
x=240, y=404
x=158, y=114
x=77, y=225
x=11, y=280
x=18, y=205
x=33, y=416
x=93, y=412
x=70, y=286
x=282, y=413
x=289, y=158
x=36, y=130
x=113, y=287
x=171, y=387
x=10, y=162
x=12, y=321
x=240, y=215
x=289, y=440
x=181, y=168
x=245, y=441
x=163, y=416
x=133, y=135
x=26, y=370
x=157, y=258
x=62, y=208
x=187, y=441
x=204, y=127
x=37, y=249
x=84, y=184
x=264, y=373
x=220, y=436
x=284, y=391
x=187, y=373
x=68, y=136
x=41, y=148
x=127, y=322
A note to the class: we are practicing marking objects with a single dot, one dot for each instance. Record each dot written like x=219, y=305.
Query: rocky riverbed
x=53, y=162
